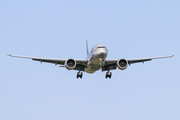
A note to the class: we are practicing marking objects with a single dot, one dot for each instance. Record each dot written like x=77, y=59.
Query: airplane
x=96, y=60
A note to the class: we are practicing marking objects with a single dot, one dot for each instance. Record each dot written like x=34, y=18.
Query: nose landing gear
x=101, y=62
x=108, y=74
x=79, y=74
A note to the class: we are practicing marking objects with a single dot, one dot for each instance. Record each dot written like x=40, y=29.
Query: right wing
x=56, y=61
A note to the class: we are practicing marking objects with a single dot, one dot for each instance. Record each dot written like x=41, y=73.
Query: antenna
x=87, y=47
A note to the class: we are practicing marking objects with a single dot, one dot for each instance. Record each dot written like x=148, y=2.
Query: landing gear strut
x=79, y=74
x=101, y=62
x=108, y=74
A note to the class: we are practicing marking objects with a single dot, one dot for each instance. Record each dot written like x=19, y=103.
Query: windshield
x=101, y=47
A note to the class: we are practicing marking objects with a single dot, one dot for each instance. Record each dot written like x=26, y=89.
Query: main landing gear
x=79, y=74
x=108, y=74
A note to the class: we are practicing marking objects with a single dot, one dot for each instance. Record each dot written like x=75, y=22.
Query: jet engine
x=70, y=64
x=122, y=64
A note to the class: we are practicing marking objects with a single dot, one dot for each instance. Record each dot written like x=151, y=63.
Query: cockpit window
x=101, y=47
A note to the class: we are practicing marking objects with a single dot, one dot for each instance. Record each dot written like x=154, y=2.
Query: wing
x=56, y=61
x=112, y=63
x=137, y=60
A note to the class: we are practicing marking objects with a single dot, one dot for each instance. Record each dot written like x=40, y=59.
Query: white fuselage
x=96, y=58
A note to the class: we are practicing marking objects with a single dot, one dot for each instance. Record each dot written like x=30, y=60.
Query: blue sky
x=58, y=29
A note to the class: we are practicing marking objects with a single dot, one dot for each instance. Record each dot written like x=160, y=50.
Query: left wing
x=53, y=60
x=112, y=63
x=131, y=61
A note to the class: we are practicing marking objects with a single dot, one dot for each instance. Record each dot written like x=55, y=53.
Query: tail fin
x=87, y=47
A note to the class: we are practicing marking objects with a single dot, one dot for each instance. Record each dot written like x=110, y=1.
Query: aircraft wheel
x=79, y=74
x=108, y=75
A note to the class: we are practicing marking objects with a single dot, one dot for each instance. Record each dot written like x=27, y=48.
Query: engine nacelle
x=122, y=64
x=70, y=64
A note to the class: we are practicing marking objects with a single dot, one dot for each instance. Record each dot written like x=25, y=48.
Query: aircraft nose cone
x=103, y=54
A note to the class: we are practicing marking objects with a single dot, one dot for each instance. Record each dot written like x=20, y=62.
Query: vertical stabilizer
x=87, y=47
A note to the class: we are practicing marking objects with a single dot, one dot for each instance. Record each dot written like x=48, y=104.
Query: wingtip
x=172, y=55
x=9, y=55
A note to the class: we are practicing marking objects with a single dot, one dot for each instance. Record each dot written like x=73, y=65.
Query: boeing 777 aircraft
x=95, y=61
